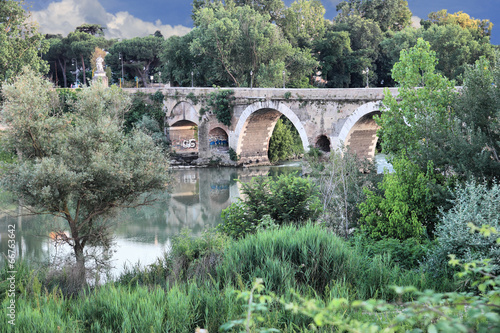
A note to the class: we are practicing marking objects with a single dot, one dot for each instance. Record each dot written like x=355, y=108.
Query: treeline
x=263, y=43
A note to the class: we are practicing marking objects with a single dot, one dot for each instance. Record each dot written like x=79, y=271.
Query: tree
x=480, y=28
x=405, y=208
x=334, y=53
x=82, y=45
x=91, y=29
x=285, y=141
x=388, y=14
x=141, y=56
x=238, y=40
x=303, y=22
x=365, y=36
x=273, y=8
x=455, y=47
x=178, y=62
x=415, y=124
x=457, y=131
x=78, y=166
x=21, y=44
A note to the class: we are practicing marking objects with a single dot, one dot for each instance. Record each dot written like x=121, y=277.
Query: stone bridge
x=324, y=118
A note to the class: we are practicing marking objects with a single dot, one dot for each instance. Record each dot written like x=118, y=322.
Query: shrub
x=196, y=257
x=408, y=253
x=405, y=208
x=287, y=199
x=473, y=203
x=232, y=155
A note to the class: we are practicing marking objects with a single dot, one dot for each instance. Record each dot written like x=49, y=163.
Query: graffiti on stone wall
x=184, y=144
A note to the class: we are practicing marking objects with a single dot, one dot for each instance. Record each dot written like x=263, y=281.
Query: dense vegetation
x=239, y=43
x=295, y=253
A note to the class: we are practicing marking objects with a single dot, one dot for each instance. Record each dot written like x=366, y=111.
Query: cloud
x=63, y=17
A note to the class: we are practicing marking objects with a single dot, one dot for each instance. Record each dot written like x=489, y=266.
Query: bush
x=408, y=253
x=405, y=208
x=473, y=203
x=287, y=199
x=196, y=257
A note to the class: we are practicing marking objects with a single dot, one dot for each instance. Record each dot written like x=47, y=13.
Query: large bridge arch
x=255, y=126
x=359, y=131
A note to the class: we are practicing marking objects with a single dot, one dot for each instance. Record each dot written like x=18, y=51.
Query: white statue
x=98, y=63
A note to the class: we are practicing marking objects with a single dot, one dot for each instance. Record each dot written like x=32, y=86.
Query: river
x=195, y=201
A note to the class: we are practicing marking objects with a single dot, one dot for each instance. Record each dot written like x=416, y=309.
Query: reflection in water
x=195, y=201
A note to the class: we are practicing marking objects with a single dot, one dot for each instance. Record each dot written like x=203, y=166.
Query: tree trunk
x=79, y=273
x=83, y=66
x=63, y=69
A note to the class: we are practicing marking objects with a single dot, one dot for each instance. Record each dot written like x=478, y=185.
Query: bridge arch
x=182, y=111
x=359, y=131
x=183, y=121
x=255, y=126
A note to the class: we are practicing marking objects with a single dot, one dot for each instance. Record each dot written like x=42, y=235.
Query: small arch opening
x=218, y=139
x=323, y=143
x=184, y=136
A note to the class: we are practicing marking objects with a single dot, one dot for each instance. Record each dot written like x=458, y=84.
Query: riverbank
x=198, y=283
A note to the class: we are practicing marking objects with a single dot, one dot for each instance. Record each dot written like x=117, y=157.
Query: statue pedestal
x=100, y=77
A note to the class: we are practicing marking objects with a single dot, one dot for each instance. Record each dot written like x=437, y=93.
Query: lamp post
x=251, y=79
x=192, y=77
x=159, y=74
x=121, y=58
x=152, y=80
x=75, y=62
x=366, y=71
x=284, y=72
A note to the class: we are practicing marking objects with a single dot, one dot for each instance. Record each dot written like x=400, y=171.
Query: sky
x=132, y=18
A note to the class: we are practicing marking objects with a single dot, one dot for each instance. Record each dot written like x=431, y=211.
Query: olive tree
x=80, y=166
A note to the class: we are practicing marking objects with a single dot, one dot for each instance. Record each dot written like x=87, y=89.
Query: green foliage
x=312, y=259
x=150, y=105
x=80, y=166
x=285, y=142
x=230, y=40
x=405, y=208
x=287, y=199
x=232, y=155
x=192, y=248
x=221, y=103
x=408, y=254
x=458, y=132
x=67, y=98
x=118, y=308
x=252, y=315
x=474, y=203
x=428, y=311
x=389, y=14
x=413, y=124
x=141, y=57
x=21, y=42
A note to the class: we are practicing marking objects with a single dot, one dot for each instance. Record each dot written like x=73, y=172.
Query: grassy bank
x=197, y=286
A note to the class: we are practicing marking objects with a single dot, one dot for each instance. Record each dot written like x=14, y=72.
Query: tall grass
x=314, y=261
